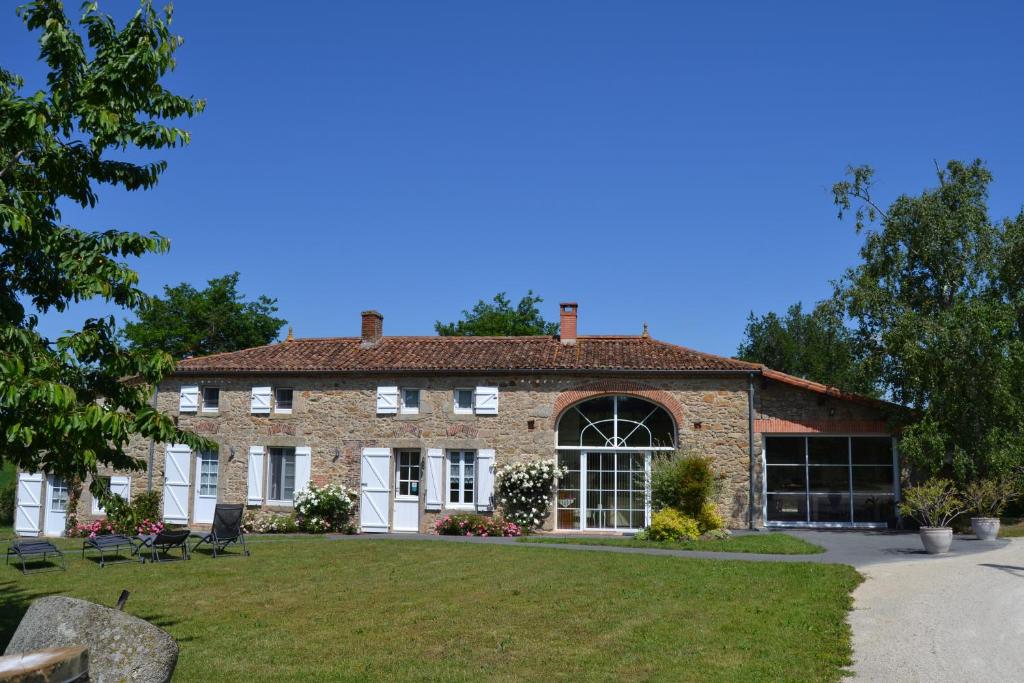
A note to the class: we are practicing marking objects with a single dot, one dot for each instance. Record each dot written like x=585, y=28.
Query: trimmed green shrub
x=671, y=525
x=683, y=481
x=708, y=518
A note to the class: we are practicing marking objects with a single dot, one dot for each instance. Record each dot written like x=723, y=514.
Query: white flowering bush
x=266, y=522
x=524, y=491
x=327, y=508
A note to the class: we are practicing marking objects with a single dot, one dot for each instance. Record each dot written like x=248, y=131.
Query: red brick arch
x=621, y=387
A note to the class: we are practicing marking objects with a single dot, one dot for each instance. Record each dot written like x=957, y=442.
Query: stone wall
x=336, y=418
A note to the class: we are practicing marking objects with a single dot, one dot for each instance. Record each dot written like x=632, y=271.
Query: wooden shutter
x=30, y=505
x=121, y=486
x=303, y=463
x=435, y=477
x=177, y=482
x=375, y=490
x=260, y=401
x=485, y=479
x=255, y=495
x=485, y=400
x=387, y=400
x=188, y=400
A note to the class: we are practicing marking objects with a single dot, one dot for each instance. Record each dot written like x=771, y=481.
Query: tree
x=817, y=346
x=938, y=308
x=70, y=404
x=500, y=319
x=200, y=322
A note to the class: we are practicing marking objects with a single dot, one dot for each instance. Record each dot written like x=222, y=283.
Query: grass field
x=768, y=542
x=312, y=609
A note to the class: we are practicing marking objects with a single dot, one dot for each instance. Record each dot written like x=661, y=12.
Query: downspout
x=152, y=447
x=750, y=446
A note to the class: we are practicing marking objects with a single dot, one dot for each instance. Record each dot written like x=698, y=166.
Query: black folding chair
x=164, y=542
x=226, y=529
x=110, y=542
x=24, y=548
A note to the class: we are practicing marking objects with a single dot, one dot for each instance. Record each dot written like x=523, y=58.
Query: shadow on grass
x=15, y=598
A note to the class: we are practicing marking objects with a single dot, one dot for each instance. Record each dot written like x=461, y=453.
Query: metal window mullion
x=807, y=479
x=615, y=420
x=849, y=463
x=584, y=483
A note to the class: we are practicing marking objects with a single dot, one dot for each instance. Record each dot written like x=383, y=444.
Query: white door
x=30, y=496
x=56, y=514
x=177, y=465
x=407, y=491
x=207, y=474
x=375, y=490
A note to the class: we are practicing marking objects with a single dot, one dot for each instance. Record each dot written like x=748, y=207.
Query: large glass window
x=282, y=474
x=461, y=477
x=616, y=422
x=608, y=487
x=829, y=480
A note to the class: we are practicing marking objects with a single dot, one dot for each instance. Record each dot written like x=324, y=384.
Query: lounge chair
x=110, y=542
x=164, y=542
x=25, y=548
x=226, y=529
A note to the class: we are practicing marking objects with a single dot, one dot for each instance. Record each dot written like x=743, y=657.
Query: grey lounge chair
x=226, y=529
x=164, y=542
x=110, y=542
x=24, y=548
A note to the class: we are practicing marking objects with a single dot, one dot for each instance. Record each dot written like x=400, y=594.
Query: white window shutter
x=303, y=465
x=485, y=400
x=260, y=401
x=485, y=479
x=387, y=400
x=30, y=504
x=255, y=496
x=188, y=400
x=121, y=486
x=435, y=477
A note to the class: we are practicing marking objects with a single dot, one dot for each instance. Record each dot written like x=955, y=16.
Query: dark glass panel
x=830, y=507
x=783, y=478
x=569, y=428
x=568, y=518
x=873, y=508
x=872, y=450
x=784, y=450
x=657, y=425
x=829, y=479
x=787, y=508
x=828, y=450
x=874, y=479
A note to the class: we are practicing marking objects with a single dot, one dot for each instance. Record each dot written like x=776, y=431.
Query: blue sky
x=658, y=161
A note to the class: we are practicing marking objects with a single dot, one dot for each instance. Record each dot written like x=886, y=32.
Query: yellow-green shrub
x=709, y=519
x=671, y=525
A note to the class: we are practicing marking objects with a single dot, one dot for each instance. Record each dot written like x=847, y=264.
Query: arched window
x=621, y=422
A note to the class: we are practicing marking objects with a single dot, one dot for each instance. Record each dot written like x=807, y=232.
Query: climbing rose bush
x=98, y=527
x=475, y=525
x=322, y=509
x=524, y=491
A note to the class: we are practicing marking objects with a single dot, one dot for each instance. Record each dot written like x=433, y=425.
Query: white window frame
x=462, y=504
x=418, y=457
x=204, y=458
x=409, y=410
x=202, y=400
x=283, y=411
x=455, y=401
x=270, y=458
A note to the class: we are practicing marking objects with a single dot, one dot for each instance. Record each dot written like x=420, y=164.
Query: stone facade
x=337, y=418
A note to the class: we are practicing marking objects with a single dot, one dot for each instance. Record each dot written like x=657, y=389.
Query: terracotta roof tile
x=462, y=354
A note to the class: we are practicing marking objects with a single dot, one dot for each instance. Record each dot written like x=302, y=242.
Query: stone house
x=419, y=424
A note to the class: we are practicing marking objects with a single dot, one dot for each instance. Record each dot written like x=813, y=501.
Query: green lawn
x=767, y=542
x=311, y=609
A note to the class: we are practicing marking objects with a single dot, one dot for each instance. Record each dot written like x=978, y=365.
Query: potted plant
x=934, y=504
x=987, y=498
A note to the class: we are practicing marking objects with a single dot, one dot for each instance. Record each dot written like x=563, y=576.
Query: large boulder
x=121, y=647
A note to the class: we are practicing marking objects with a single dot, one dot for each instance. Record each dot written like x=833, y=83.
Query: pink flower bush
x=475, y=525
x=92, y=529
x=147, y=527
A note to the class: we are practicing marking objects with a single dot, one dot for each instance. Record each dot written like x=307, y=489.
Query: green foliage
x=989, y=497
x=934, y=503
x=8, y=497
x=684, y=481
x=817, y=346
x=65, y=406
x=191, y=322
x=265, y=522
x=126, y=517
x=500, y=319
x=708, y=518
x=671, y=525
x=939, y=310
x=147, y=505
x=467, y=524
x=327, y=508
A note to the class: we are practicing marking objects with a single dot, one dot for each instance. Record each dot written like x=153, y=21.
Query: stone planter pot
x=936, y=539
x=985, y=528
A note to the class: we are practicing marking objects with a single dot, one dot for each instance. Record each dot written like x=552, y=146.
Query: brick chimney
x=373, y=328
x=567, y=322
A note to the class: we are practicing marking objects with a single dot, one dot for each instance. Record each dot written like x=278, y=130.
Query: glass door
x=604, y=490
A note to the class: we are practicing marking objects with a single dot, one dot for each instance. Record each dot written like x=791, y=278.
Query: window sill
x=467, y=507
x=280, y=503
x=210, y=412
x=409, y=411
x=282, y=411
